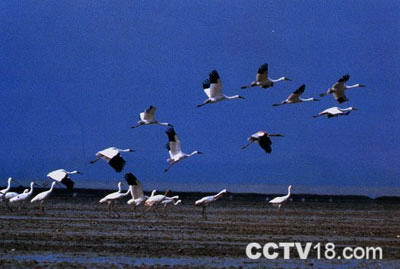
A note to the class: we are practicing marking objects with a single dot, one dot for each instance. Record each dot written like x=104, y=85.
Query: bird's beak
x=288, y=79
x=361, y=85
x=241, y=97
x=354, y=108
x=131, y=150
x=199, y=152
x=80, y=173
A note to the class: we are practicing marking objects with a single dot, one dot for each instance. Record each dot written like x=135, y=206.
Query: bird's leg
x=203, y=211
x=42, y=206
x=134, y=212
x=205, y=103
x=8, y=206
x=138, y=125
x=156, y=211
x=116, y=212
x=95, y=160
x=248, y=144
x=146, y=210
x=109, y=208
x=316, y=116
x=169, y=167
x=277, y=104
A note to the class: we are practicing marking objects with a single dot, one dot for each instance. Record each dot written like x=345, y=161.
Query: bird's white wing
x=173, y=145
x=137, y=191
x=338, y=90
x=277, y=200
x=175, y=148
x=333, y=110
x=262, y=73
x=215, y=84
x=294, y=97
x=109, y=152
x=57, y=175
x=148, y=114
x=40, y=196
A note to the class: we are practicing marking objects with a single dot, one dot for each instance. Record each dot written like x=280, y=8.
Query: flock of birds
x=213, y=89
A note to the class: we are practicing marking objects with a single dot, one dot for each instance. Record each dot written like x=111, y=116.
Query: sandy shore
x=79, y=233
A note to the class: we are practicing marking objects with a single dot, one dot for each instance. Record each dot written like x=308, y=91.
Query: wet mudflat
x=78, y=233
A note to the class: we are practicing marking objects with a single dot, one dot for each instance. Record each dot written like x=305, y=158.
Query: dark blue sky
x=75, y=75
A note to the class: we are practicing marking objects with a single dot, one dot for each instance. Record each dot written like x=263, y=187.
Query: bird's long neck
x=193, y=153
x=346, y=109
x=352, y=86
x=8, y=186
x=307, y=99
x=31, y=190
x=277, y=80
x=72, y=172
x=232, y=97
x=219, y=195
x=163, y=123
x=52, y=186
x=289, y=193
x=124, y=150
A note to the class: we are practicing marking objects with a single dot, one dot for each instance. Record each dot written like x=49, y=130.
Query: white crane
x=154, y=201
x=111, y=198
x=23, y=196
x=281, y=199
x=213, y=89
x=263, y=139
x=335, y=112
x=113, y=156
x=262, y=79
x=41, y=197
x=136, y=191
x=295, y=97
x=147, y=117
x=338, y=89
x=62, y=176
x=205, y=201
x=174, y=149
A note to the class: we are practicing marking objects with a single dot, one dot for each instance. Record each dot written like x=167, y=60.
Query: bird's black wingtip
x=131, y=179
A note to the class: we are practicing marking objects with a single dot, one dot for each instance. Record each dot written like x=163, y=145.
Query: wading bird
x=262, y=79
x=282, y=199
x=205, y=201
x=23, y=196
x=113, y=156
x=335, y=111
x=295, y=97
x=174, y=149
x=213, y=89
x=263, y=139
x=111, y=198
x=339, y=88
x=156, y=200
x=41, y=197
x=136, y=191
x=62, y=176
x=147, y=117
